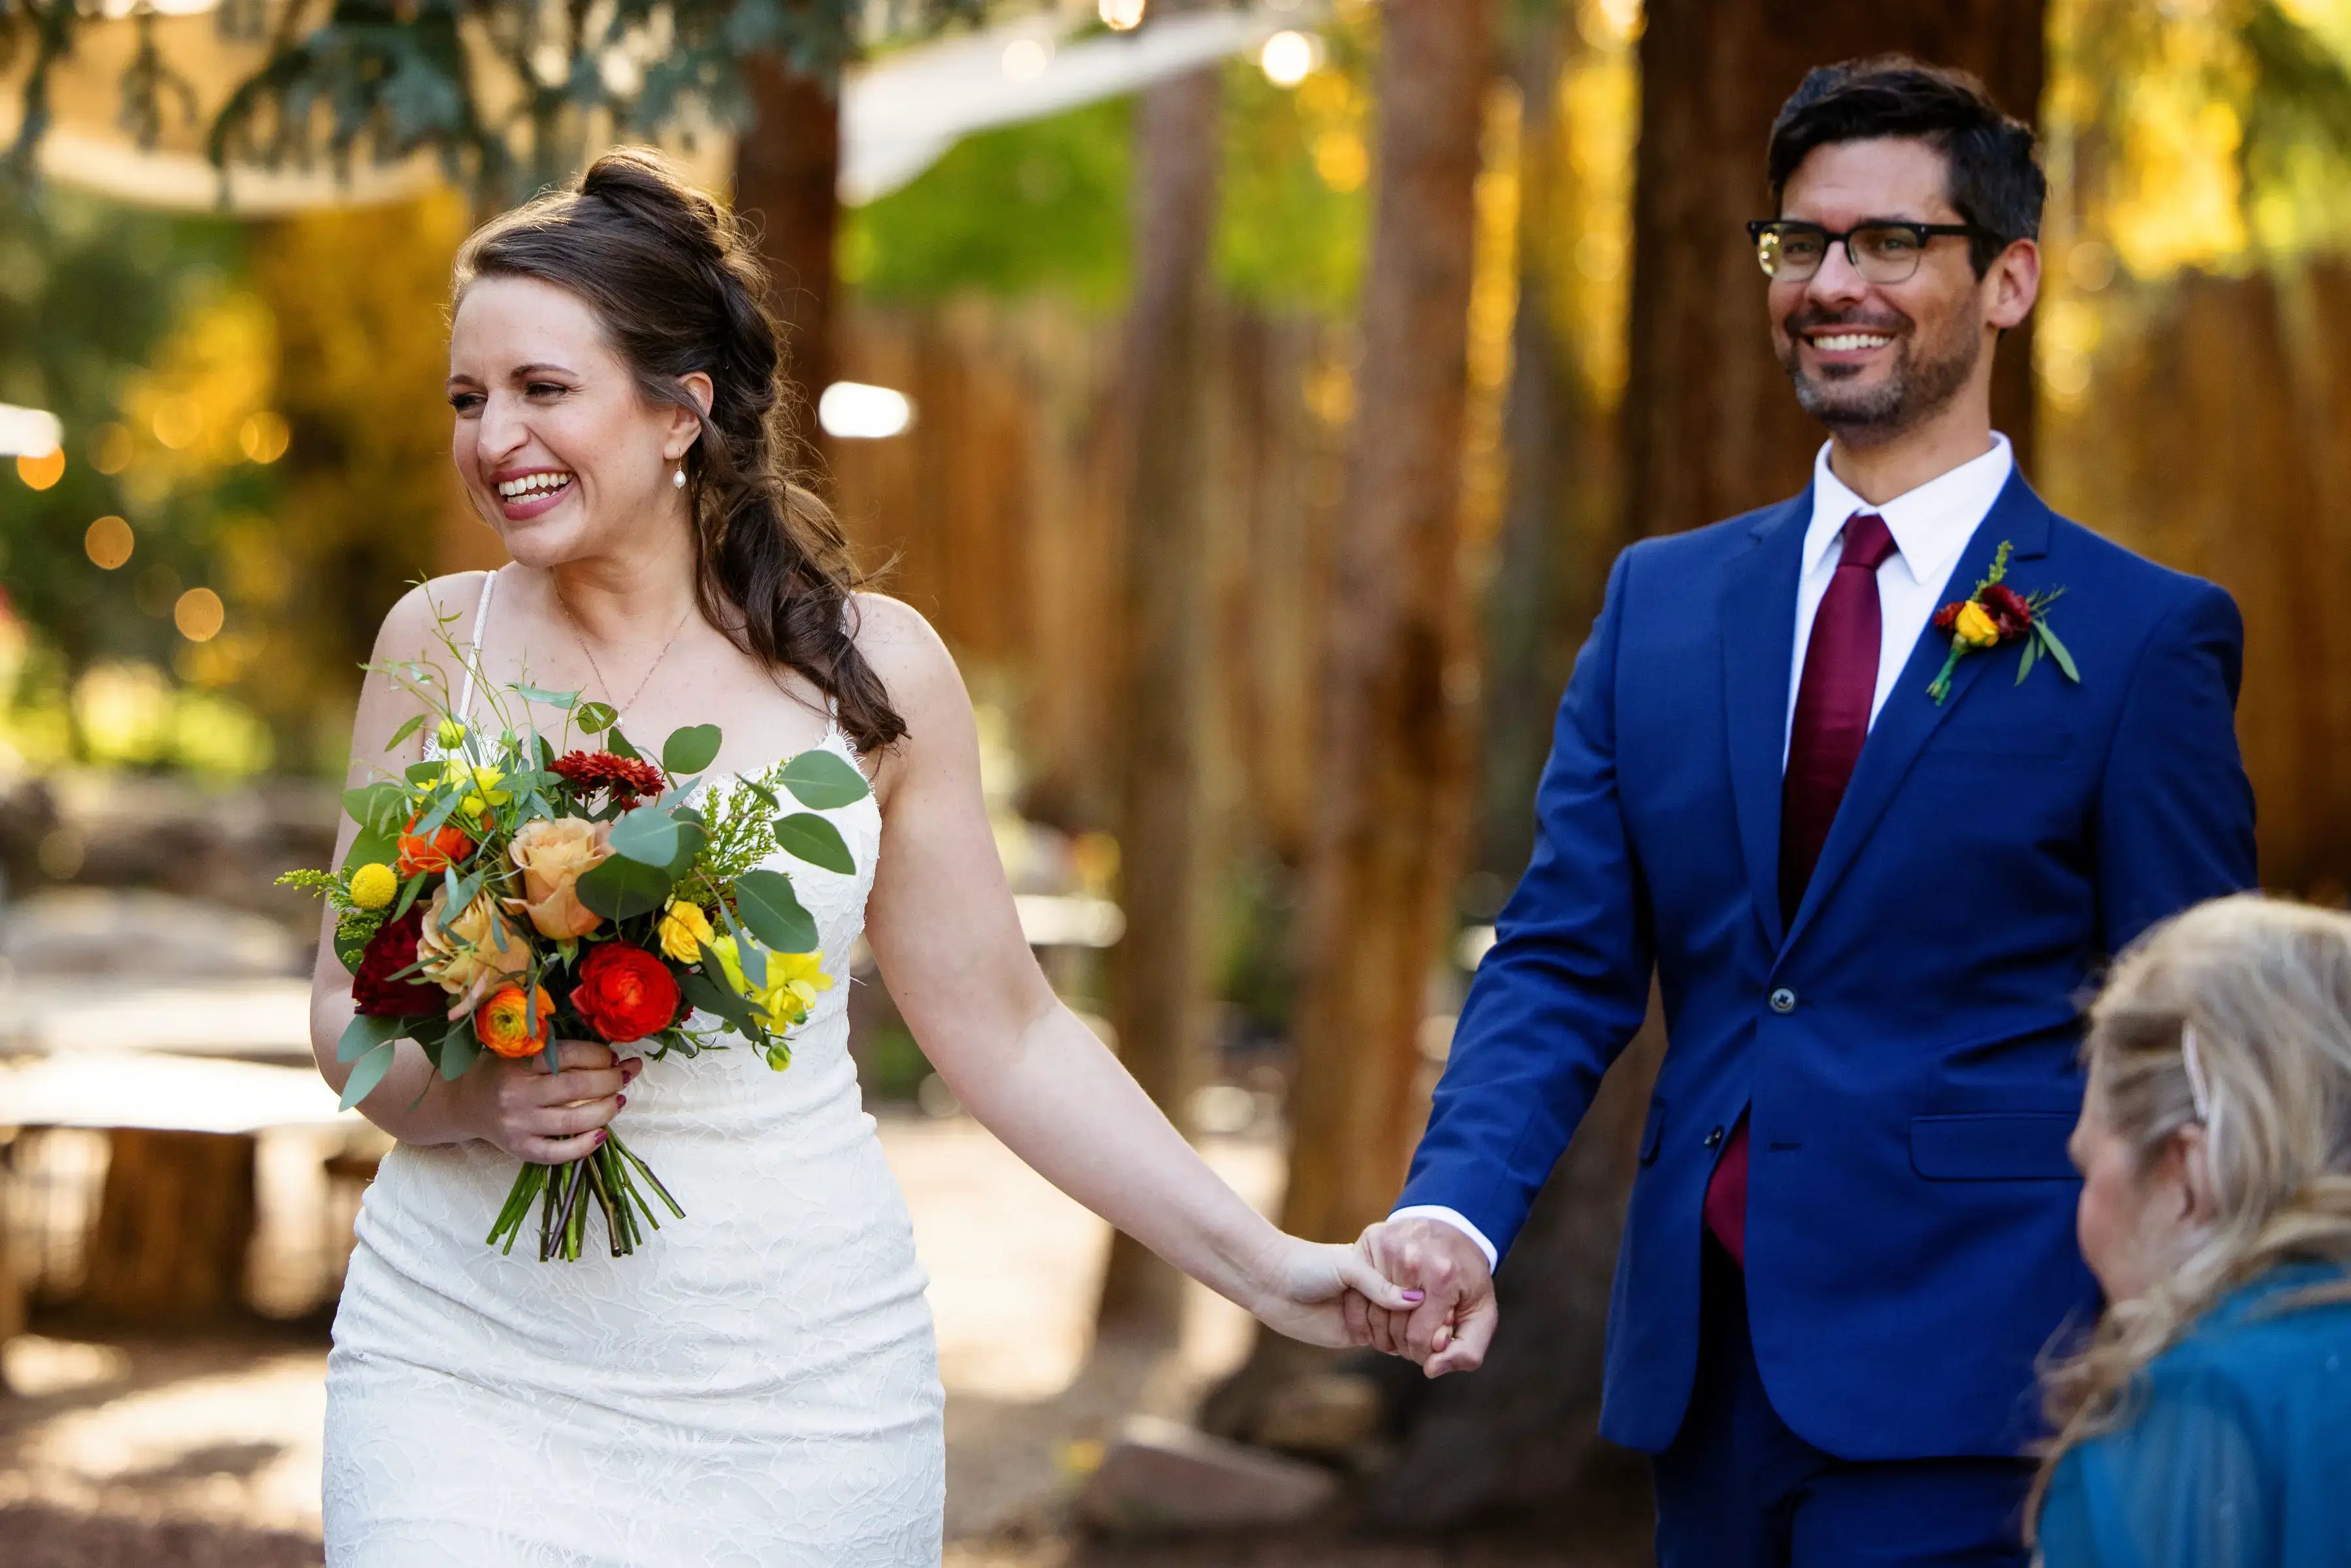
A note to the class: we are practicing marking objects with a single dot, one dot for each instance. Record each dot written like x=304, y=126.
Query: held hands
x=547, y=1118
x=1305, y=1289
x=1454, y=1322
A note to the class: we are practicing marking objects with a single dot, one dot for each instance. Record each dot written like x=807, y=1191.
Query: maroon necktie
x=1832, y=703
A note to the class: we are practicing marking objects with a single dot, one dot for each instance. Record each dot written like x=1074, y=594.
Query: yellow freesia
x=794, y=980
x=480, y=782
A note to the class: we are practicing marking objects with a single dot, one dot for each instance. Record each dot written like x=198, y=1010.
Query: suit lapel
x=1758, y=645
x=1910, y=717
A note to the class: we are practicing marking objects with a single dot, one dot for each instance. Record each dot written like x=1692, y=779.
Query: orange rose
x=505, y=1023
x=448, y=846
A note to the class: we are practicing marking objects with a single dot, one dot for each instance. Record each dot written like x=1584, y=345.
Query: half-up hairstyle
x=2234, y=1016
x=673, y=276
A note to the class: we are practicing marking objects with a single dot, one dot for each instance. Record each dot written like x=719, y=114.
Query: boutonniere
x=1996, y=613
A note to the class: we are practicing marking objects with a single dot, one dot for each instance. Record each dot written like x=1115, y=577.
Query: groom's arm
x=1565, y=985
x=2176, y=811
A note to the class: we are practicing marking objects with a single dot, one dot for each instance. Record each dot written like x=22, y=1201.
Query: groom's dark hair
x=1995, y=183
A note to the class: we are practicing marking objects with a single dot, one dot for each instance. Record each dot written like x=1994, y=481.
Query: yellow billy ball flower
x=1975, y=626
x=373, y=886
x=683, y=930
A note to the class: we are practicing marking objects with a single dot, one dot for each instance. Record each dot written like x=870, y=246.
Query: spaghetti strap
x=481, y=623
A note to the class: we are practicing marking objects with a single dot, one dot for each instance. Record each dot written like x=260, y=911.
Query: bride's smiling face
x=558, y=448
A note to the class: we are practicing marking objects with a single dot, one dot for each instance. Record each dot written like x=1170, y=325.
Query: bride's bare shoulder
x=412, y=627
x=906, y=651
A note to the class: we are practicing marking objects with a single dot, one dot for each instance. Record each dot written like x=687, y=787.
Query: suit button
x=1783, y=1000
x=1714, y=1139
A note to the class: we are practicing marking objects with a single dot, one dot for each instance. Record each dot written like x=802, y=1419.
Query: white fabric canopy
x=899, y=113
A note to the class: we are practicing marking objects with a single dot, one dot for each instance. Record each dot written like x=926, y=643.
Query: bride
x=758, y=1384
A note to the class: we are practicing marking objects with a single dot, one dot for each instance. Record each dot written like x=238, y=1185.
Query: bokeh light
x=263, y=437
x=109, y=542
x=43, y=471
x=1290, y=56
x=178, y=422
x=199, y=614
x=1121, y=15
x=1025, y=59
x=110, y=448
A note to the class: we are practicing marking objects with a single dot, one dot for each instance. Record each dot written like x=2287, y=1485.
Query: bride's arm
x=942, y=922
x=517, y=1107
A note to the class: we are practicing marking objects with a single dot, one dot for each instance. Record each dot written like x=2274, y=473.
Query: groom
x=1871, y=910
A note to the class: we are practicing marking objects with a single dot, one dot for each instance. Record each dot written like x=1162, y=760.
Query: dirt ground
x=196, y=1452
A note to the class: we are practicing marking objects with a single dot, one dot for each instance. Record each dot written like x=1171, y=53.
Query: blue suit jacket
x=1906, y=1044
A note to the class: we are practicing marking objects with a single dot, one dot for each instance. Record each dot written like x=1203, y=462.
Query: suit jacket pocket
x=2006, y=1147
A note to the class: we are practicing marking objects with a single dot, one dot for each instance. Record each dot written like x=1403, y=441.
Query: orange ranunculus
x=445, y=848
x=505, y=1023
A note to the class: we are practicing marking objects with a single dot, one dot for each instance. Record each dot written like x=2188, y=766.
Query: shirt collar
x=1930, y=524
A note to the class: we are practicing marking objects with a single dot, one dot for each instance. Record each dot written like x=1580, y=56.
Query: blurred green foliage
x=1043, y=207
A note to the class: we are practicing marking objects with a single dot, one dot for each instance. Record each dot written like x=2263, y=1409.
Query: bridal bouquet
x=518, y=890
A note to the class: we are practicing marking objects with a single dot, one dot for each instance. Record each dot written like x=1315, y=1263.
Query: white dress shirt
x=1931, y=525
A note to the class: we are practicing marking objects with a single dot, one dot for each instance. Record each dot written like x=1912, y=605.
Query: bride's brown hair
x=673, y=276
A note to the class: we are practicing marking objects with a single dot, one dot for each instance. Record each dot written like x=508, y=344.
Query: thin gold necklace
x=580, y=637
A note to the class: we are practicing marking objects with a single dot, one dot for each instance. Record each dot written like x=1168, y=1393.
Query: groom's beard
x=1924, y=377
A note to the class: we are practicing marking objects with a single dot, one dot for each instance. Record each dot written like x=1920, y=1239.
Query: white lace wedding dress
x=758, y=1387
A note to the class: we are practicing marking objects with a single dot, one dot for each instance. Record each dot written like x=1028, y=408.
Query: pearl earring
x=678, y=480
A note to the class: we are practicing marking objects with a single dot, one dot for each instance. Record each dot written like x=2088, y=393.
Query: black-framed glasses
x=1886, y=251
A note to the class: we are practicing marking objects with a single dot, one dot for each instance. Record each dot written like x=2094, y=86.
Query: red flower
x=391, y=949
x=2008, y=610
x=625, y=993
x=626, y=777
x=1948, y=614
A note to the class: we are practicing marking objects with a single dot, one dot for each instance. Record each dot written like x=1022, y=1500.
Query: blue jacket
x=2235, y=1447
x=1907, y=1045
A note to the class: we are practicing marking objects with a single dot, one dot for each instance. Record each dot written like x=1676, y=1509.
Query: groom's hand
x=1455, y=1321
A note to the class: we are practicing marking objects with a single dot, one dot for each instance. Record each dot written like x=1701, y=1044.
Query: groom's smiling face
x=1870, y=359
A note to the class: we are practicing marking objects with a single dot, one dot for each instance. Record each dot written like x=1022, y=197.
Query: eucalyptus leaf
x=815, y=840
x=617, y=745
x=621, y=888
x=552, y=699
x=367, y=1073
x=691, y=749
x=374, y=846
x=647, y=834
x=408, y=891
x=410, y=727
x=823, y=780
x=373, y=805
x=749, y=955
x=2057, y=651
x=595, y=718
x=365, y=1032
x=690, y=841
x=2024, y=665
x=712, y=997
x=772, y=910
x=459, y=1050
x=424, y=775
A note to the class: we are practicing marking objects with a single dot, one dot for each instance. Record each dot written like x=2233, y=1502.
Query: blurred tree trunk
x=1155, y=968
x=1711, y=427
x=1391, y=783
x=174, y=1219
x=786, y=169
x=1541, y=593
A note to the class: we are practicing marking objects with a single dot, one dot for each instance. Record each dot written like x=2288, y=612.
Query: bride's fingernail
x=1413, y=1296
x=622, y=1099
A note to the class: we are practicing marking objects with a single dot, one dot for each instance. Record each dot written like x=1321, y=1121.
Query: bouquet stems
x=607, y=1179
